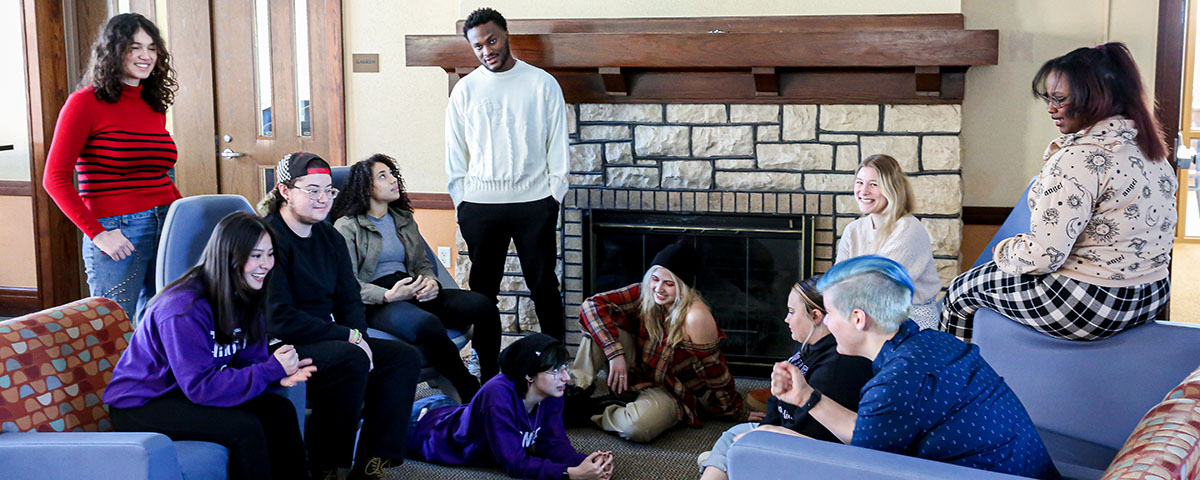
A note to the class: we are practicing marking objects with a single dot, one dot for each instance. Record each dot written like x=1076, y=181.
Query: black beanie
x=522, y=357
x=680, y=259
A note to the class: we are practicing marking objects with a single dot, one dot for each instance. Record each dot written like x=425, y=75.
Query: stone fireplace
x=770, y=121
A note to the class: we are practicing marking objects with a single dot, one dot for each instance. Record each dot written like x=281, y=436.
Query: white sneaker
x=473, y=364
x=701, y=458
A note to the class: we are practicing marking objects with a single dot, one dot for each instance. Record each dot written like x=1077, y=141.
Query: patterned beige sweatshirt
x=1101, y=213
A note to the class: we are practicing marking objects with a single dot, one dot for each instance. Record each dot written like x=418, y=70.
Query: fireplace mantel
x=858, y=59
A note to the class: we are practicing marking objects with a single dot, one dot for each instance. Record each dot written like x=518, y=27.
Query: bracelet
x=355, y=336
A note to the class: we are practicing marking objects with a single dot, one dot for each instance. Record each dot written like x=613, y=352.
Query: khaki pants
x=651, y=412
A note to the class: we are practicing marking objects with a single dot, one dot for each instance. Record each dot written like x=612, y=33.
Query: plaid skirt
x=1052, y=304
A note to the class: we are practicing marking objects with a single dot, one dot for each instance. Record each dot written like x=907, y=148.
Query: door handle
x=227, y=153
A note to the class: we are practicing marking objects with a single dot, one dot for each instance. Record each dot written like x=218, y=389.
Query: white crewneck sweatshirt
x=506, y=137
x=908, y=244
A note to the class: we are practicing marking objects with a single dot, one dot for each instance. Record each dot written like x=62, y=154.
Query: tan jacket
x=365, y=244
x=1101, y=212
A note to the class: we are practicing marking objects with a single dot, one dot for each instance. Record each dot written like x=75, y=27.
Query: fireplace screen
x=747, y=266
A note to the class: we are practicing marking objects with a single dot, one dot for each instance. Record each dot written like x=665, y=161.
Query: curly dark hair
x=106, y=70
x=482, y=16
x=355, y=196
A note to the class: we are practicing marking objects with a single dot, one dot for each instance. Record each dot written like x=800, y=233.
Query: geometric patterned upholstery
x=54, y=365
x=1163, y=446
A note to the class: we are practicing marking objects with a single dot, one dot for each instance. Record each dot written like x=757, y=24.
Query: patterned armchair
x=54, y=365
x=1164, y=443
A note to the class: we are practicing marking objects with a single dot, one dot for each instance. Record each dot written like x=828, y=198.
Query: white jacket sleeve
x=458, y=154
x=1060, y=209
x=557, y=151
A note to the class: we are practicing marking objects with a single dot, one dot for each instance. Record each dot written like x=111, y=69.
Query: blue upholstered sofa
x=51, y=447
x=1084, y=397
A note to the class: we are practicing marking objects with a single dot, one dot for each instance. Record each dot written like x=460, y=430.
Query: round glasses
x=554, y=372
x=316, y=193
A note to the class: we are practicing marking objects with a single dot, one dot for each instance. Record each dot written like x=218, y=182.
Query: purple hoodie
x=495, y=429
x=174, y=348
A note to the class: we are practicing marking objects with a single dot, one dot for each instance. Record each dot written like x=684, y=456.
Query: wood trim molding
x=846, y=49
x=16, y=301
x=431, y=201
x=56, y=241
x=1168, y=68
x=16, y=188
x=985, y=215
x=856, y=59
x=780, y=24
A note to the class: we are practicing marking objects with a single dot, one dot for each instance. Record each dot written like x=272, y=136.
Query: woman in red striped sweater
x=112, y=134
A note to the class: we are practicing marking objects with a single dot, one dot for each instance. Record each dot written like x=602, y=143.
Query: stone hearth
x=743, y=158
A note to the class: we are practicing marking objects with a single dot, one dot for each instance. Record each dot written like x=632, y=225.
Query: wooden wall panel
x=190, y=44
x=57, y=245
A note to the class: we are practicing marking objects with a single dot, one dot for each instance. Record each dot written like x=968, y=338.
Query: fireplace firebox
x=747, y=266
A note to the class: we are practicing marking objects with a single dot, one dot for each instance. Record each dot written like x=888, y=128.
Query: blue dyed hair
x=874, y=284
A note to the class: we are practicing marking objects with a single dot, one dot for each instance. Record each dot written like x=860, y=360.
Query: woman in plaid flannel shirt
x=659, y=343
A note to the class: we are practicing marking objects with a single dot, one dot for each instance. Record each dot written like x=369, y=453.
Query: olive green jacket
x=365, y=244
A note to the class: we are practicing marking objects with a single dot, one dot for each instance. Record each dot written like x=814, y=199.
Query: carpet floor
x=670, y=456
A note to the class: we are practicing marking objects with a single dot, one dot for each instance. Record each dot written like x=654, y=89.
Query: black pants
x=487, y=229
x=424, y=324
x=342, y=391
x=264, y=428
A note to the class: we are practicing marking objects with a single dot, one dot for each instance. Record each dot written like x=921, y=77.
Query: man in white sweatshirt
x=506, y=157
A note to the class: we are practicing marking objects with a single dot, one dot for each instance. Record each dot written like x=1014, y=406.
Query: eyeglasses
x=315, y=193
x=1058, y=102
x=555, y=372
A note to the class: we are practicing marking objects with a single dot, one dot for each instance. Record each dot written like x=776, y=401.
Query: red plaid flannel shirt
x=696, y=375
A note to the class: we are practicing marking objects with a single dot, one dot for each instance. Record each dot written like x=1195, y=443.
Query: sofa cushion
x=56, y=363
x=1164, y=443
x=1095, y=391
x=1077, y=459
x=202, y=460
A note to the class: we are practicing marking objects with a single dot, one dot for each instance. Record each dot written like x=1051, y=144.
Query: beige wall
x=17, y=265
x=400, y=110
x=1005, y=130
x=437, y=227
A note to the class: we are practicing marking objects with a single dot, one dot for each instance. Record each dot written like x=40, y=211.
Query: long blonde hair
x=657, y=317
x=894, y=186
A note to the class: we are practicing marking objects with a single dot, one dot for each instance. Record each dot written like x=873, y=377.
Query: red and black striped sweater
x=121, y=152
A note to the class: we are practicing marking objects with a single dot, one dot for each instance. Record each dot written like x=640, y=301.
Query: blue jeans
x=717, y=457
x=129, y=282
x=431, y=402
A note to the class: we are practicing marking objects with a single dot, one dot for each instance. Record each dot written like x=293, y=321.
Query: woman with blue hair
x=967, y=415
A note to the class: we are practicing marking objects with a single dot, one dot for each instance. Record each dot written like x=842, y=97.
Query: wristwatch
x=813, y=399
x=565, y=475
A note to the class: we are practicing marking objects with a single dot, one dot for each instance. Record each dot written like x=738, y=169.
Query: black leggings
x=424, y=325
x=264, y=428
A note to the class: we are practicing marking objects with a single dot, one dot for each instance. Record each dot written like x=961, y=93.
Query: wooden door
x=268, y=102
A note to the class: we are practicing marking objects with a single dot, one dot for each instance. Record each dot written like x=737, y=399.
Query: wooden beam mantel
x=852, y=59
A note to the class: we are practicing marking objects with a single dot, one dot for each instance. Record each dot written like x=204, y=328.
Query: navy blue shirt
x=934, y=397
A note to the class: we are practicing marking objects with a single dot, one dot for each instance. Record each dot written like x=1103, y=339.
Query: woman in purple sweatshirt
x=197, y=366
x=515, y=421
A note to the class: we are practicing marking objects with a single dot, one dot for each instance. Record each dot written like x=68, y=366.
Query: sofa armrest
x=767, y=456
x=97, y=456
